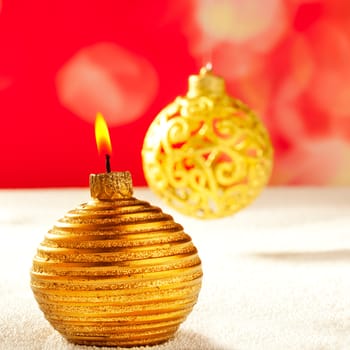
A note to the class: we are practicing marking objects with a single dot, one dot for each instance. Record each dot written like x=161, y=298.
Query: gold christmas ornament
x=207, y=154
x=116, y=271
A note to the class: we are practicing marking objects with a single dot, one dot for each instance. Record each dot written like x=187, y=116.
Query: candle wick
x=108, y=163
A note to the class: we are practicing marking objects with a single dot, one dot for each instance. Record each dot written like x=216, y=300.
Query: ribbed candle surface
x=116, y=273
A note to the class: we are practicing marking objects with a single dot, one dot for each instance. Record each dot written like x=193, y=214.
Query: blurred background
x=63, y=61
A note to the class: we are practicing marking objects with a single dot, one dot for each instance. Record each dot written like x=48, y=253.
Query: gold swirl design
x=222, y=157
x=116, y=273
x=178, y=131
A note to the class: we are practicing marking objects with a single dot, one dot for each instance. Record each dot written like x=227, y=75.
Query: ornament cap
x=111, y=186
x=205, y=83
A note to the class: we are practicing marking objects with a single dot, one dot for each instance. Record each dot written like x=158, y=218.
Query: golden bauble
x=207, y=154
x=116, y=271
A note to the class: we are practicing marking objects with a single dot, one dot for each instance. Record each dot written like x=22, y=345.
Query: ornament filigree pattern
x=208, y=156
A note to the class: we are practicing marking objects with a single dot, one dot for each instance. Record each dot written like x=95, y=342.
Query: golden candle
x=116, y=271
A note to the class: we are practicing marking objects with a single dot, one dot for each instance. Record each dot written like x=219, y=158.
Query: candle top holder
x=111, y=186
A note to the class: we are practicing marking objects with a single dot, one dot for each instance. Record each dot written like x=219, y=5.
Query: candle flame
x=103, y=141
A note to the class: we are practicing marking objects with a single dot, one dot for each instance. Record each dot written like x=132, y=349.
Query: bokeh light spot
x=107, y=78
x=238, y=20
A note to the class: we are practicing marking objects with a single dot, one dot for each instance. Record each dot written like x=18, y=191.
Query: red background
x=44, y=143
